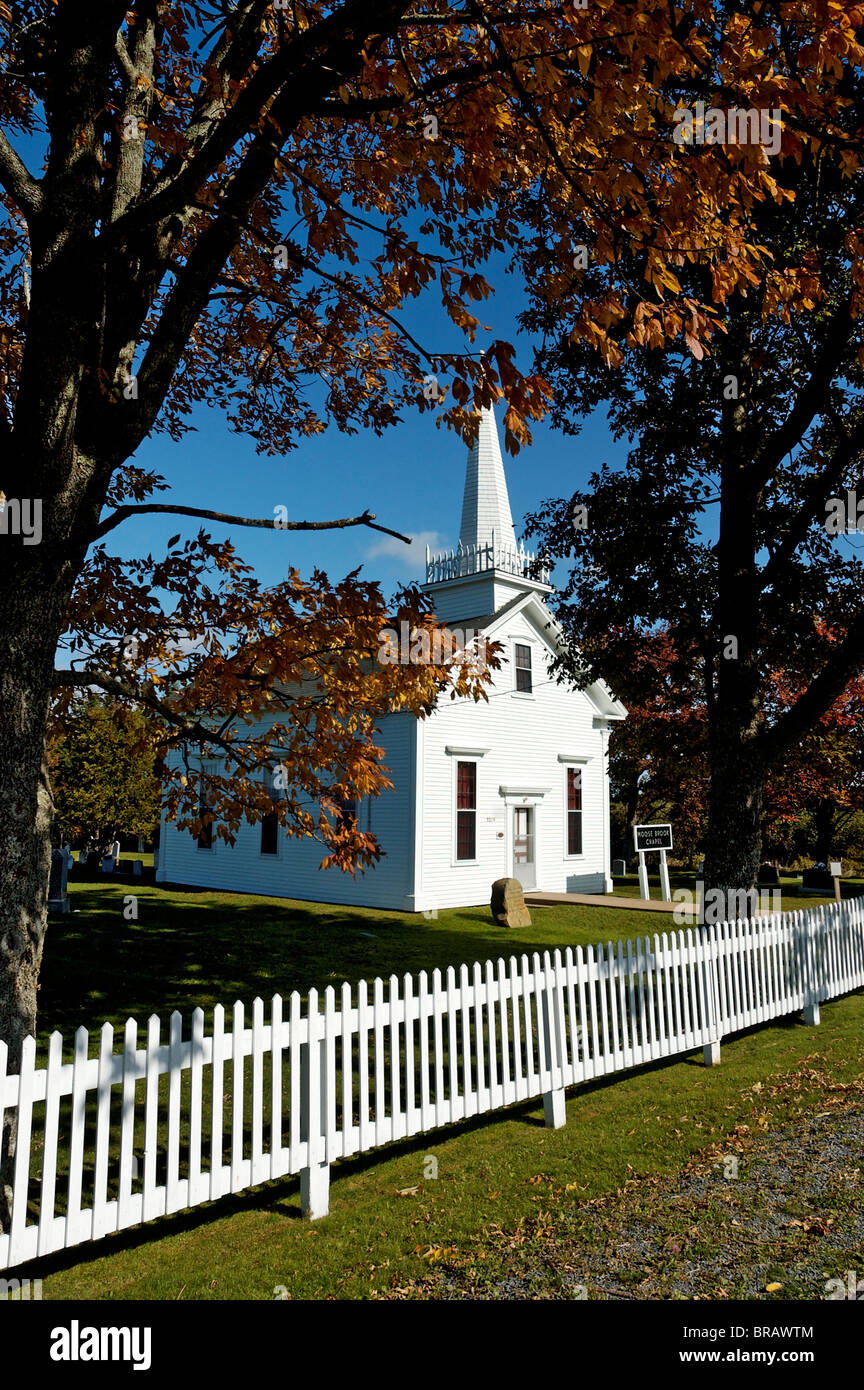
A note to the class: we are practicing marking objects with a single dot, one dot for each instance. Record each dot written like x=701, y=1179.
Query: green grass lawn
x=390, y=1222
x=130, y=855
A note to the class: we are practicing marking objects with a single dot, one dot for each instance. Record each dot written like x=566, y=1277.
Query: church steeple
x=486, y=513
x=488, y=568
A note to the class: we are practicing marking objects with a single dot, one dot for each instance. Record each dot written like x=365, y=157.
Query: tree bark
x=824, y=819
x=737, y=767
x=734, y=841
x=31, y=617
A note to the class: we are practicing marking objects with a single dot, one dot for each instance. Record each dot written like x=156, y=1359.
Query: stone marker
x=817, y=879
x=769, y=875
x=58, y=900
x=108, y=863
x=508, y=903
x=137, y=867
x=619, y=868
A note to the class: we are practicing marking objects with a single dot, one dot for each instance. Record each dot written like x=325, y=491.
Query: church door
x=523, y=846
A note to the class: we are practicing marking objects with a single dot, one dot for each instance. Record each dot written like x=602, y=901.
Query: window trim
x=207, y=770
x=268, y=853
x=275, y=795
x=529, y=647
x=455, y=861
x=574, y=768
x=356, y=802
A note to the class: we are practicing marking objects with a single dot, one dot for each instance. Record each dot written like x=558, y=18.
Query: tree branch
x=844, y=664
x=19, y=183
x=811, y=396
x=124, y=690
x=320, y=48
x=265, y=523
x=326, y=56
x=815, y=492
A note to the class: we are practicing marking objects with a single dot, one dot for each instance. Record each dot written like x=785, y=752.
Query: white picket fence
x=108, y=1141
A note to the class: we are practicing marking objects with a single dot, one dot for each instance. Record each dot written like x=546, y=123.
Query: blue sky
x=411, y=477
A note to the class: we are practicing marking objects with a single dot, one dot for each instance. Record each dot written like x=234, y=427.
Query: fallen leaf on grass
x=439, y=1252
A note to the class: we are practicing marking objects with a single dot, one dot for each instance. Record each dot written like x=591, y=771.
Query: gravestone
x=58, y=900
x=508, y=903
x=769, y=875
x=817, y=879
x=137, y=867
x=619, y=868
x=108, y=863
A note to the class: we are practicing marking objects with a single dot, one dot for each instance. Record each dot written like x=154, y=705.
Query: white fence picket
x=129, y=1204
x=198, y=1183
x=349, y=1145
x=79, y=1223
x=296, y=1148
x=328, y=1119
x=378, y=1019
x=176, y=1191
x=451, y=1003
x=260, y=1162
x=411, y=1118
x=238, y=1096
x=217, y=1172
x=104, y=1211
x=19, y=1240
x=50, y=1238
x=396, y=1010
x=154, y=1196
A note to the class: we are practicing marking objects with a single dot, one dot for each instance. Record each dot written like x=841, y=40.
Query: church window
x=523, y=668
x=466, y=811
x=270, y=822
x=574, y=810
x=206, y=799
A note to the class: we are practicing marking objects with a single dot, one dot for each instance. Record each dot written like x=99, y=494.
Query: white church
x=516, y=787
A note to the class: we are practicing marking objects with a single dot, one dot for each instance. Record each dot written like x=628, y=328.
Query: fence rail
x=165, y=1123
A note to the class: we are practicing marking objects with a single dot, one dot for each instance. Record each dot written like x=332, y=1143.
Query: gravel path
x=773, y=1216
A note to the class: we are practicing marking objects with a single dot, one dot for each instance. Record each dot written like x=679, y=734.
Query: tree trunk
x=30, y=623
x=734, y=813
x=824, y=819
x=737, y=773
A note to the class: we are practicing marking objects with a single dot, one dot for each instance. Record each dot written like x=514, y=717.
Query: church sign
x=652, y=837
x=648, y=839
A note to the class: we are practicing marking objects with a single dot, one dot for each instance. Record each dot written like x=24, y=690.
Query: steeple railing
x=476, y=559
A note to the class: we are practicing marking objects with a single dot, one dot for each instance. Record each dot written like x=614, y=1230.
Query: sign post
x=836, y=868
x=650, y=839
x=644, y=890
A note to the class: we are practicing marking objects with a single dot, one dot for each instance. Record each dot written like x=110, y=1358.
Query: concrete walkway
x=533, y=899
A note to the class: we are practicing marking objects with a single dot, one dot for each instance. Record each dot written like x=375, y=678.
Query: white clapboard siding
x=130, y=1135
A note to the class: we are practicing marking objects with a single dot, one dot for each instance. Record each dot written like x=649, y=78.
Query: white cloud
x=409, y=557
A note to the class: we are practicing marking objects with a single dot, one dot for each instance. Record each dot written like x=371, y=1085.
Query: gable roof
x=550, y=630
